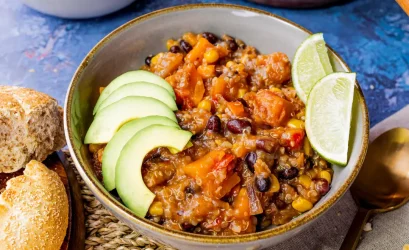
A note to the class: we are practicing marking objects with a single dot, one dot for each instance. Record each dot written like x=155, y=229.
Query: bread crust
x=31, y=127
x=34, y=210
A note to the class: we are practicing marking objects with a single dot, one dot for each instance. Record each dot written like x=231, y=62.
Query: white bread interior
x=31, y=127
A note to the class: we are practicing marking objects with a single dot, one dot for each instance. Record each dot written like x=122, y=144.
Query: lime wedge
x=328, y=116
x=311, y=63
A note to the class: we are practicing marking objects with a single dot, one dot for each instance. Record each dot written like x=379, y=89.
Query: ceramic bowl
x=126, y=48
x=77, y=8
x=298, y=3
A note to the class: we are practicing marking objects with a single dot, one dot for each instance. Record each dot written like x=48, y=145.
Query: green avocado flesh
x=116, y=144
x=133, y=76
x=139, y=89
x=129, y=182
x=108, y=120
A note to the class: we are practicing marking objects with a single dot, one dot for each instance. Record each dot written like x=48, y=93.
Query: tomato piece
x=225, y=163
x=293, y=138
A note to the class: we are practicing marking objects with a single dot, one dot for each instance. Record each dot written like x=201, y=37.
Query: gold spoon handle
x=352, y=239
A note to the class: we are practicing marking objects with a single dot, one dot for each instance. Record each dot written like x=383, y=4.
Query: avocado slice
x=116, y=144
x=129, y=182
x=133, y=76
x=111, y=118
x=139, y=89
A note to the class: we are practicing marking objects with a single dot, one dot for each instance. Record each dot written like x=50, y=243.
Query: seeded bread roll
x=33, y=210
x=31, y=127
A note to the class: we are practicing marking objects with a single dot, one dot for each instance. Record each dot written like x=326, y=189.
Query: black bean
x=288, y=173
x=243, y=102
x=148, y=60
x=280, y=204
x=189, y=190
x=268, y=145
x=185, y=46
x=219, y=70
x=237, y=126
x=250, y=160
x=263, y=183
x=240, y=43
x=214, y=124
x=187, y=227
x=175, y=49
x=212, y=38
x=232, y=45
x=322, y=186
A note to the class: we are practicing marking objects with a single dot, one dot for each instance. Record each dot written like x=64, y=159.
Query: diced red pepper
x=293, y=138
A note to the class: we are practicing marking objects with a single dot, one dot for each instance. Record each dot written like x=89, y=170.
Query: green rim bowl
x=126, y=48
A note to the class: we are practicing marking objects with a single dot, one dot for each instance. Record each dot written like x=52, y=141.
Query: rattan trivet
x=103, y=230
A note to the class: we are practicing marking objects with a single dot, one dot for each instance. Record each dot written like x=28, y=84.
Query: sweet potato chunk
x=271, y=109
x=166, y=63
x=188, y=86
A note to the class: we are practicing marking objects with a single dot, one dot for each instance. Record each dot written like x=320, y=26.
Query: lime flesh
x=328, y=116
x=311, y=63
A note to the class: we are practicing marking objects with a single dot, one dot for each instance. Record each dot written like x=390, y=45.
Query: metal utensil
x=383, y=183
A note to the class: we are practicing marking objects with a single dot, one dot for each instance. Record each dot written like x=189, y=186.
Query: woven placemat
x=105, y=231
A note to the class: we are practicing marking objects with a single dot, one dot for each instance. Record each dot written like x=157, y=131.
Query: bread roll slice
x=33, y=210
x=31, y=127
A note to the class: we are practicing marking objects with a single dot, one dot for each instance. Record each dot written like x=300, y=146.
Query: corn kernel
x=305, y=180
x=312, y=173
x=307, y=147
x=229, y=64
x=190, y=38
x=170, y=43
x=100, y=153
x=156, y=58
x=274, y=89
x=95, y=147
x=295, y=123
x=242, y=92
x=239, y=150
x=205, y=104
x=156, y=208
x=240, y=67
x=301, y=205
x=211, y=55
x=325, y=175
x=275, y=184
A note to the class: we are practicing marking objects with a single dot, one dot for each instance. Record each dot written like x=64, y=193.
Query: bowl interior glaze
x=125, y=49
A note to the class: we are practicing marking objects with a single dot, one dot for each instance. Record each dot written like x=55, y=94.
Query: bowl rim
x=117, y=207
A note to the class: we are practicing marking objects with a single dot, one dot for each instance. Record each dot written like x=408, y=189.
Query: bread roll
x=33, y=210
x=31, y=127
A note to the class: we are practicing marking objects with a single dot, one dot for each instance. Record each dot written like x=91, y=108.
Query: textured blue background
x=42, y=52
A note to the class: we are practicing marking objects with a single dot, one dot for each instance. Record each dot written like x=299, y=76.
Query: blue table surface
x=43, y=52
